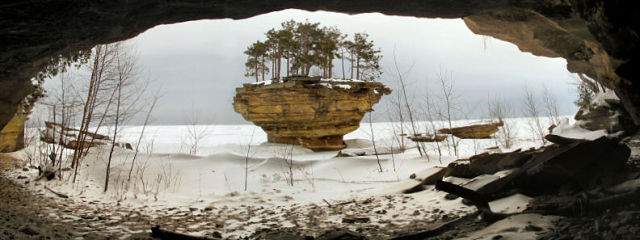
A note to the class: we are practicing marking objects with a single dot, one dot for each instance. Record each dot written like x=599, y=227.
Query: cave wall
x=597, y=37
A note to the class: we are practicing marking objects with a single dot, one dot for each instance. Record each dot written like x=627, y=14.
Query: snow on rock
x=340, y=80
x=603, y=98
x=515, y=203
x=263, y=83
x=518, y=227
x=627, y=186
x=605, y=112
x=574, y=131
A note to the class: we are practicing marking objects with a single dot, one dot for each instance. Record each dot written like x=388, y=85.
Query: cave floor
x=28, y=215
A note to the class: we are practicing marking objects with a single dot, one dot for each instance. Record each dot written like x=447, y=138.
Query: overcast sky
x=200, y=63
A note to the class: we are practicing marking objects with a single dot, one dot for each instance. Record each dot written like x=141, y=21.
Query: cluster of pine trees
x=306, y=46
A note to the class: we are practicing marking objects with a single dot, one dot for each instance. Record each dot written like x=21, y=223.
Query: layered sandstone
x=12, y=134
x=313, y=113
x=473, y=131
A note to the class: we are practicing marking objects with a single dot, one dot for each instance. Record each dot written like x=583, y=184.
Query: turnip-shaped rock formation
x=310, y=112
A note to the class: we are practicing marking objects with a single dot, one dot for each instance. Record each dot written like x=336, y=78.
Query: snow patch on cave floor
x=211, y=181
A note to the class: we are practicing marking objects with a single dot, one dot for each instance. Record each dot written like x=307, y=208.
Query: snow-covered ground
x=171, y=170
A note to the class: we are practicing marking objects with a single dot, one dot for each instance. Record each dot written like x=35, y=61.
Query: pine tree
x=365, y=59
x=256, y=61
x=305, y=46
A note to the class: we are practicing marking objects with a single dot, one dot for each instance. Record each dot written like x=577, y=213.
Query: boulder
x=605, y=112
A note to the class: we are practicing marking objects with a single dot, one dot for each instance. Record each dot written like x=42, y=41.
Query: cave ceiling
x=597, y=38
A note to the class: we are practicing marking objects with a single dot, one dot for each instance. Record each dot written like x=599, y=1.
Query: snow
x=343, y=86
x=340, y=80
x=515, y=203
x=574, y=131
x=265, y=82
x=325, y=82
x=602, y=97
x=169, y=172
x=518, y=227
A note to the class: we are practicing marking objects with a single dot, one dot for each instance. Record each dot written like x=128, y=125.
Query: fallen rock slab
x=523, y=226
x=473, y=131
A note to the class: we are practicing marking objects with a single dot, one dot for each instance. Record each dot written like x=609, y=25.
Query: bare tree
x=287, y=156
x=430, y=109
x=86, y=113
x=373, y=141
x=196, y=132
x=115, y=134
x=406, y=102
x=395, y=110
x=144, y=126
x=533, y=113
x=246, y=161
x=550, y=106
x=449, y=99
x=126, y=72
x=500, y=110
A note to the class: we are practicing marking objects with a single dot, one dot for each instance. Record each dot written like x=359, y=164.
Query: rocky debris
x=67, y=137
x=605, y=112
x=574, y=166
x=157, y=232
x=560, y=139
x=310, y=113
x=473, y=131
x=620, y=222
x=353, y=219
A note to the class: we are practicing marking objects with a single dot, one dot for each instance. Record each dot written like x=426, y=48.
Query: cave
x=597, y=38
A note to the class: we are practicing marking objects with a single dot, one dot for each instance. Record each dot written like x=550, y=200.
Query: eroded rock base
x=325, y=143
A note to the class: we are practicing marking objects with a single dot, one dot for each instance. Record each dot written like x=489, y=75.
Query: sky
x=198, y=64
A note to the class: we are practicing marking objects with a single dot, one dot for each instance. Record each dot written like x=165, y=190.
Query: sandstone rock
x=473, y=131
x=309, y=113
x=12, y=134
x=428, y=138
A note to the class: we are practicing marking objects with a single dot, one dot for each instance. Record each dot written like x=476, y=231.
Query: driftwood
x=69, y=129
x=53, y=131
x=56, y=193
x=156, y=232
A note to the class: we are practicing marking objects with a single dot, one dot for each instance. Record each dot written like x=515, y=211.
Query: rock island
x=308, y=111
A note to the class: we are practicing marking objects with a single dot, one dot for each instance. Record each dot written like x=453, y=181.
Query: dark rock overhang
x=598, y=38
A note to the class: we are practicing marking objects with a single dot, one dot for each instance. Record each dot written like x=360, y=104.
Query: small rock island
x=308, y=111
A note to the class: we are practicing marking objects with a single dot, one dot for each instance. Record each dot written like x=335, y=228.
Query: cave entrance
x=198, y=152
